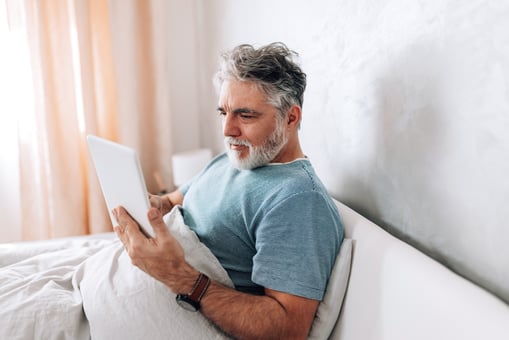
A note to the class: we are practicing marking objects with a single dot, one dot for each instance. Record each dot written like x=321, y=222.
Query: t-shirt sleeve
x=185, y=187
x=296, y=245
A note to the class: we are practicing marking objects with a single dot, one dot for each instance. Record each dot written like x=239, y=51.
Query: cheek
x=259, y=136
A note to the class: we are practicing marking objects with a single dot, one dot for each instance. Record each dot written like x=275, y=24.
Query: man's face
x=254, y=132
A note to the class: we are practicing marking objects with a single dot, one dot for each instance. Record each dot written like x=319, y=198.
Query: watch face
x=185, y=302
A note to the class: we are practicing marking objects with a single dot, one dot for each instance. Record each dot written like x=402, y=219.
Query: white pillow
x=328, y=310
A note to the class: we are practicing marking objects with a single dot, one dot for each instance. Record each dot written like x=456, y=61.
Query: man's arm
x=274, y=315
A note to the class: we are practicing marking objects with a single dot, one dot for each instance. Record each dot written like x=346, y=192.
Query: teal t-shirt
x=274, y=226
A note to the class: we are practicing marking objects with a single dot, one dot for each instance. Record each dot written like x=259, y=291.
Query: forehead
x=236, y=93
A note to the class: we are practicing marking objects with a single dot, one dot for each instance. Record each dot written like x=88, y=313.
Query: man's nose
x=230, y=126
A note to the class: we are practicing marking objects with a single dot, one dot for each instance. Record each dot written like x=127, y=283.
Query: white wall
x=183, y=53
x=405, y=116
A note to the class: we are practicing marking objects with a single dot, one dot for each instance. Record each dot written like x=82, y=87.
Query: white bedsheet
x=87, y=288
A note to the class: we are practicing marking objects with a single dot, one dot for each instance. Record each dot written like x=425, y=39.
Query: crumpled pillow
x=328, y=310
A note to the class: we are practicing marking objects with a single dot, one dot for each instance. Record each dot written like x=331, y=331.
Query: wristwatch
x=191, y=301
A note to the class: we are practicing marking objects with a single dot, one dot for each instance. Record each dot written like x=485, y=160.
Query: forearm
x=238, y=314
x=241, y=315
x=246, y=316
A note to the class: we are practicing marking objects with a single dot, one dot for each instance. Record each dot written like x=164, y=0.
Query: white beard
x=258, y=155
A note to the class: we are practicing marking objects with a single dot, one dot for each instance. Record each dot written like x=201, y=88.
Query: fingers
x=127, y=229
x=156, y=220
x=156, y=256
x=124, y=220
x=156, y=201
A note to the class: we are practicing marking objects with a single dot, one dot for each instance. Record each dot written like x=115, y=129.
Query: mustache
x=234, y=141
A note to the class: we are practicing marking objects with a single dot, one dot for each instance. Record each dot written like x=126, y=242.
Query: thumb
x=156, y=221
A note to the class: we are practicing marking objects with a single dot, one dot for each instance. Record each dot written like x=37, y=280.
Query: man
x=259, y=207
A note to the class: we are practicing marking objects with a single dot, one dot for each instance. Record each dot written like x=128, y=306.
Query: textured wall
x=406, y=116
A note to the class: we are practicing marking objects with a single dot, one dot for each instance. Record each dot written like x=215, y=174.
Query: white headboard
x=396, y=292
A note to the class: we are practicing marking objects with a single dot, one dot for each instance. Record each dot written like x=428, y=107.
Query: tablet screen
x=122, y=182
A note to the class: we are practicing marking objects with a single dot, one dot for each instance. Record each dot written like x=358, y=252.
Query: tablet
x=122, y=182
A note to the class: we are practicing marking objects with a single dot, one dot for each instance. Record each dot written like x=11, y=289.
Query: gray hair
x=271, y=67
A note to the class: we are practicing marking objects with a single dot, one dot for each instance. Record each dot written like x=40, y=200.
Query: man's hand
x=166, y=202
x=161, y=203
x=161, y=257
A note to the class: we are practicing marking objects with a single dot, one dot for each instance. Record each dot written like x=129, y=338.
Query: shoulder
x=292, y=178
x=219, y=160
x=294, y=191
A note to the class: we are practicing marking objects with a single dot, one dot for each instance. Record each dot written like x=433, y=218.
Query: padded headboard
x=398, y=293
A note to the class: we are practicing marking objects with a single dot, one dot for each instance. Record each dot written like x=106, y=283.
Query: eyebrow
x=241, y=110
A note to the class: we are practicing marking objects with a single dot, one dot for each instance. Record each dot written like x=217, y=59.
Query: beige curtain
x=96, y=70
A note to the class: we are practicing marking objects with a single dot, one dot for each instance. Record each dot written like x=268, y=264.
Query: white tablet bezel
x=121, y=178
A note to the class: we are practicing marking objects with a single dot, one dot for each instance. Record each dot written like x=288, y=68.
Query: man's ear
x=294, y=116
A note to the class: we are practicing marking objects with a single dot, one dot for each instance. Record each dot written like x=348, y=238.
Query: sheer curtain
x=98, y=67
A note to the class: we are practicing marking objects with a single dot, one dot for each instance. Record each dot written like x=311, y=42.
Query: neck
x=290, y=152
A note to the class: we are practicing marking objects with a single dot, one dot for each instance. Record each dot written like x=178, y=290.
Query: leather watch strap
x=200, y=288
x=191, y=301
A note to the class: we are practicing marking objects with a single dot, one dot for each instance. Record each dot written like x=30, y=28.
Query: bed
x=380, y=288
x=86, y=287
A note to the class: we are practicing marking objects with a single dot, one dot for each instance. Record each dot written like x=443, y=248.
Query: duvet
x=86, y=288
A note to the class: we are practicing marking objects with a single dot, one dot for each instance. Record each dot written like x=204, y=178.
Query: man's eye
x=246, y=116
x=221, y=113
